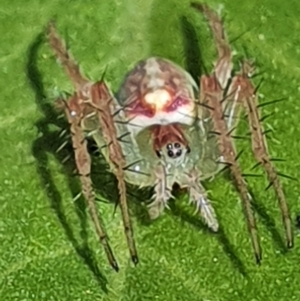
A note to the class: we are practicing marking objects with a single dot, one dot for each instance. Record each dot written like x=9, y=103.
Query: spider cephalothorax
x=160, y=129
x=158, y=92
x=169, y=142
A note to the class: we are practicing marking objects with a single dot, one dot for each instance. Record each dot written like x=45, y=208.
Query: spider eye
x=158, y=153
x=170, y=154
x=178, y=153
x=169, y=146
x=173, y=150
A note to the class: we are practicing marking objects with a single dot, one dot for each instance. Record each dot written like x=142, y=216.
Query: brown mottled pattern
x=163, y=134
x=136, y=83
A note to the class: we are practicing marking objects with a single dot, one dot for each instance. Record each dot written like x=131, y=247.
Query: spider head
x=169, y=142
x=174, y=151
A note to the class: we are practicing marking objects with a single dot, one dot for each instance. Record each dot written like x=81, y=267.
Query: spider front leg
x=198, y=197
x=222, y=106
x=73, y=110
x=162, y=192
x=212, y=98
x=244, y=92
x=94, y=102
x=104, y=103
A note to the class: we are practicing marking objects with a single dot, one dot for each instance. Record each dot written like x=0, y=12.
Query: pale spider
x=160, y=129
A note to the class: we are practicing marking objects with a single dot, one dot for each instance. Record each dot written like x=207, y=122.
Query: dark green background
x=48, y=250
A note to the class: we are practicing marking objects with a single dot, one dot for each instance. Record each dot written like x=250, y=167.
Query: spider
x=161, y=129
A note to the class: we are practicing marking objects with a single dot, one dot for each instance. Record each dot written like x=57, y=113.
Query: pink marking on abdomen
x=175, y=104
x=140, y=107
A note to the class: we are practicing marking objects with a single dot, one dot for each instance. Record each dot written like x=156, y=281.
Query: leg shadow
x=269, y=223
x=139, y=198
x=228, y=248
x=196, y=67
x=261, y=210
x=194, y=60
x=49, y=142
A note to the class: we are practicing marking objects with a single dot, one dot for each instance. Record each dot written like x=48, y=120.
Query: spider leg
x=162, y=192
x=83, y=164
x=242, y=94
x=224, y=64
x=198, y=196
x=101, y=100
x=212, y=97
x=245, y=93
x=70, y=66
x=90, y=100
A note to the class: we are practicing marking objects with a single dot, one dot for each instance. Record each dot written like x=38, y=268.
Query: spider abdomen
x=158, y=92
